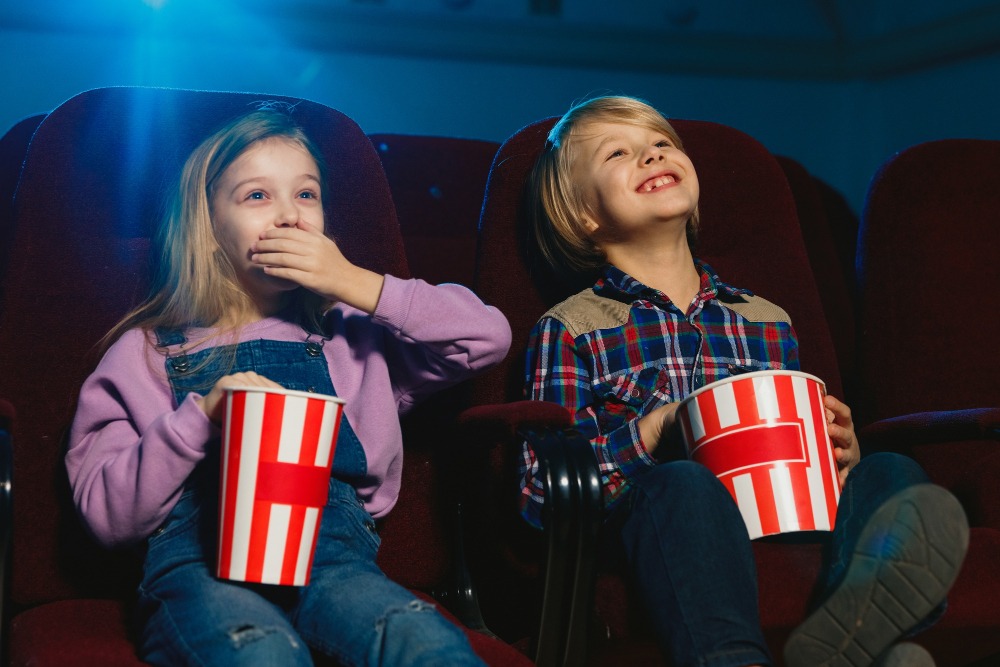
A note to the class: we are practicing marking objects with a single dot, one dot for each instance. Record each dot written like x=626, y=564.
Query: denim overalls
x=349, y=610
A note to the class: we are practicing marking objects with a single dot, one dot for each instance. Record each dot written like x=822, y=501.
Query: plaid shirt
x=609, y=374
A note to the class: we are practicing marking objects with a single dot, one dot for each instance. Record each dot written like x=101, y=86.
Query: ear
x=588, y=221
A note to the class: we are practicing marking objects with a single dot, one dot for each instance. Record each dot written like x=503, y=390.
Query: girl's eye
x=617, y=153
x=257, y=194
x=308, y=195
x=663, y=143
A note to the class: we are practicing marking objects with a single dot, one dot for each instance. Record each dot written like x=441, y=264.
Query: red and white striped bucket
x=277, y=450
x=764, y=435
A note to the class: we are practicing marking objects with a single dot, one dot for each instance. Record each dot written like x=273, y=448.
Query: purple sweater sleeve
x=130, y=450
x=446, y=333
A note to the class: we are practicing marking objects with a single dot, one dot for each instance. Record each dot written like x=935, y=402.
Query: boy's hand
x=211, y=403
x=304, y=255
x=846, y=449
x=657, y=428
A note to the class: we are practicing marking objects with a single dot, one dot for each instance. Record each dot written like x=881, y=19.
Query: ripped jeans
x=350, y=610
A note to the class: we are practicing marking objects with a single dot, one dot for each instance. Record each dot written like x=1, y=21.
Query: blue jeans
x=350, y=610
x=686, y=546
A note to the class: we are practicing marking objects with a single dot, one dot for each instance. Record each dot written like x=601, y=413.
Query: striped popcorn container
x=277, y=450
x=764, y=435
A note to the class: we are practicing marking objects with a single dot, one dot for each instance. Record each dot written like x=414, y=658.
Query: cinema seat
x=751, y=234
x=929, y=311
x=90, y=195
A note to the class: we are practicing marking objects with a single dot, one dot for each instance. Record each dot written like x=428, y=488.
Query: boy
x=615, y=194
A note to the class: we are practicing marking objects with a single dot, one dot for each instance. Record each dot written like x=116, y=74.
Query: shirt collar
x=617, y=284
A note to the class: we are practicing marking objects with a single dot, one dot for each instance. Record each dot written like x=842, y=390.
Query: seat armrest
x=572, y=519
x=478, y=430
x=921, y=428
x=503, y=421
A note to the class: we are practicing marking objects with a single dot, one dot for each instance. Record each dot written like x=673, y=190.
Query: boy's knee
x=901, y=471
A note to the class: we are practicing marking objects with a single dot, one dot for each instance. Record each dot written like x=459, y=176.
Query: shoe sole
x=906, y=560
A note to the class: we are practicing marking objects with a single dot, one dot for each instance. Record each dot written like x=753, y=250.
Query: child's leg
x=870, y=484
x=189, y=617
x=688, y=548
x=897, y=546
x=353, y=612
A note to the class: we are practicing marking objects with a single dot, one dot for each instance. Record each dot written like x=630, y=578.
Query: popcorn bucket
x=277, y=450
x=764, y=435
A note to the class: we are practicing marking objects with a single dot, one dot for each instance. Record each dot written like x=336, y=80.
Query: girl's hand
x=211, y=403
x=846, y=449
x=304, y=255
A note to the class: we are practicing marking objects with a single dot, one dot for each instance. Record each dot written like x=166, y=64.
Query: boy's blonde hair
x=556, y=202
x=194, y=283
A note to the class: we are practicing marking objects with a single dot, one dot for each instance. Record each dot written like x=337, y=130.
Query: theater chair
x=750, y=233
x=929, y=312
x=13, y=146
x=437, y=186
x=91, y=192
x=828, y=264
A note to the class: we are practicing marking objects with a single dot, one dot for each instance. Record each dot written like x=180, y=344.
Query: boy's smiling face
x=633, y=181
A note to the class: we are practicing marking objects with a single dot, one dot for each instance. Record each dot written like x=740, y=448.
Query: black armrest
x=572, y=519
x=479, y=429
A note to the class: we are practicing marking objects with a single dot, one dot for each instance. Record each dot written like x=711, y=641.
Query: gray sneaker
x=905, y=654
x=906, y=560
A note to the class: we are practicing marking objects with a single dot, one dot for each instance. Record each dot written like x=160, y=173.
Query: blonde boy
x=616, y=196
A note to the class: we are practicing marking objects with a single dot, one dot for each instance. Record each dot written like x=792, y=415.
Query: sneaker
x=905, y=654
x=906, y=560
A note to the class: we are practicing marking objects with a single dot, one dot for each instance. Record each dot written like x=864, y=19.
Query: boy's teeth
x=657, y=182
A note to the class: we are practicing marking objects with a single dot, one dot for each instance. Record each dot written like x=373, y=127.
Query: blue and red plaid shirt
x=621, y=349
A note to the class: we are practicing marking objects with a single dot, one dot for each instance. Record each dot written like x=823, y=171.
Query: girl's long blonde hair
x=555, y=202
x=194, y=284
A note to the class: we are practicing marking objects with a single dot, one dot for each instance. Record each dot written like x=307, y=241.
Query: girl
x=615, y=194
x=250, y=292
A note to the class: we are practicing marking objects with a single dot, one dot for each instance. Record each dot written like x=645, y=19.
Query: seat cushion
x=98, y=632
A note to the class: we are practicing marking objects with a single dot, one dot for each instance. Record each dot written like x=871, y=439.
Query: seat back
x=829, y=266
x=91, y=192
x=13, y=146
x=437, y=187
x=928, y=277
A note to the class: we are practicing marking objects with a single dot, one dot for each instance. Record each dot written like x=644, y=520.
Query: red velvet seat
x=833, y=277
x=750, y=233
x=91, y=192
x=437, y=186
x=929, y=311
x=13, y=146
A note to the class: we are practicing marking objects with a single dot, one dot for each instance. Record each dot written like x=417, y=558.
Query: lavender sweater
x=132, y=447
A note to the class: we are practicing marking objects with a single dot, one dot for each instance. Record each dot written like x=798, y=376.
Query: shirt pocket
x=734, y=367
x=630, y=395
